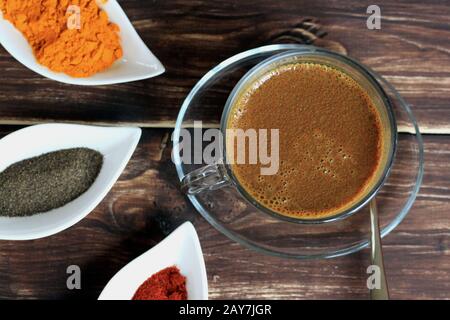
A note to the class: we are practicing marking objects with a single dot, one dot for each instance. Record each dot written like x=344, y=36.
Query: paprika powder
x=167, y=284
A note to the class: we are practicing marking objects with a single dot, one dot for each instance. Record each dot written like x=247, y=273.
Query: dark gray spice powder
x=48, y=181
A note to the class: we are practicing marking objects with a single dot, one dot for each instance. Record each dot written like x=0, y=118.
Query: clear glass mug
x=220, y=174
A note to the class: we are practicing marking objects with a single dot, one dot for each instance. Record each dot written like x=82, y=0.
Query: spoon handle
x=377, y=255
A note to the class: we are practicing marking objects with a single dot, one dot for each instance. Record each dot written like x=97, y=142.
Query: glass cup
x=220, y=174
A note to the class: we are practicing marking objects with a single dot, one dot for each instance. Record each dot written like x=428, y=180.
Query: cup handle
x=210, y=177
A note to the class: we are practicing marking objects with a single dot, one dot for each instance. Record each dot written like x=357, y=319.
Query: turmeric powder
x=79, y=52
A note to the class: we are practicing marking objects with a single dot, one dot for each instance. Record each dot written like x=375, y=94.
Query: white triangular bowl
x=181, y=248
x=117, y=146
x=137, y=63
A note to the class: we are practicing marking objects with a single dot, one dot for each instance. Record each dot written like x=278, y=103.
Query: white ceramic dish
x=138, y=61
x=181, y=248
x=117, y=146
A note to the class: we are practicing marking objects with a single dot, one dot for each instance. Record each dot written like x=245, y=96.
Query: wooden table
x=412, y=50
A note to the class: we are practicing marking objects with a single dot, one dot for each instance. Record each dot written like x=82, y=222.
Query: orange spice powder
x=78, y=52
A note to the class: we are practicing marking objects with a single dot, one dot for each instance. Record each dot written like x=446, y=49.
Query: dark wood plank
x=190, y=37
x=145, y=205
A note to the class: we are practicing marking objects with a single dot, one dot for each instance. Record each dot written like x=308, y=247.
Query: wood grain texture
x=145, y=205
x=190, y=37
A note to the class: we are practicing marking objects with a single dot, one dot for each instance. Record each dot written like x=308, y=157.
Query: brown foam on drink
x=330, y=139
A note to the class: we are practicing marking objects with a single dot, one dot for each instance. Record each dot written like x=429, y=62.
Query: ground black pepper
x=47, y=182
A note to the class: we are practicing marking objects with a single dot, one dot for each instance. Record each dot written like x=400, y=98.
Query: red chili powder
x=167, y=284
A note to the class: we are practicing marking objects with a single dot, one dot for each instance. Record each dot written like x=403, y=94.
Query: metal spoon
x=377, y=254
